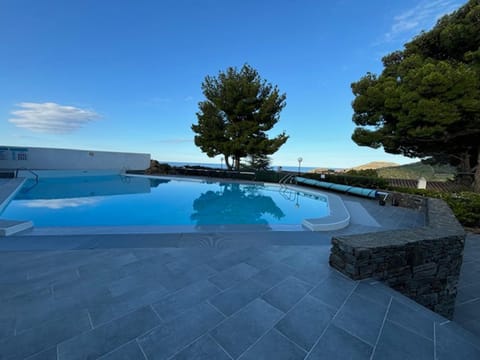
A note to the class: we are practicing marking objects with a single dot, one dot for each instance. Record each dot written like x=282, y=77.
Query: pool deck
x=220, y=295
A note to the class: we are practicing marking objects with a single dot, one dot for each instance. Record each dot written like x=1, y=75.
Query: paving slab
x=129, y=351
x=453, y=342
x=274, y=345
x=108, y=337
x=45, y=335
x=362, y=318
x=182, y=300
x=334, y=290
x=238, y=333
x=171, y=337
x=314, y=316
x=235, y=298
x=292, y=304
x=338, y=344
x=229, y=277
x=49, y=354
x=398, y=343
x=286, y=294
x=204, y=348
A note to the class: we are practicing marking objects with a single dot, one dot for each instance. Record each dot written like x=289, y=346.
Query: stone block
x=424, y=271
x=423, y=263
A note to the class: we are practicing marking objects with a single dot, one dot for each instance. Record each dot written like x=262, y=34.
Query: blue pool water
x=124, y=200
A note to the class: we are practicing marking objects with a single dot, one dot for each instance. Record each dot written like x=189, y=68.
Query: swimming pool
x=161, y=201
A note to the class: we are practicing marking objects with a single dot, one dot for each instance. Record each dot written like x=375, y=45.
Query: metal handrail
x=285, y=179
x=29, y=170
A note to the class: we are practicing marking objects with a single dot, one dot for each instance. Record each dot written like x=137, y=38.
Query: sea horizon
x=222, y=166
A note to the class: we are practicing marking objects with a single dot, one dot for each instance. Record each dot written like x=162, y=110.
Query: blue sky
x=126, y=75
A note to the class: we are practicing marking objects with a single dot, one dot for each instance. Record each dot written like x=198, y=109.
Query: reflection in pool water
x=235, y=205
x=125, y=201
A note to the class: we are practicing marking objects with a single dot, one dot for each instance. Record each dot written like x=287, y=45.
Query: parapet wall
x=13, y=157
x=423, y=263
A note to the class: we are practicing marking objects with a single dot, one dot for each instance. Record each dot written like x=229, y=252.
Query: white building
x=14, y=158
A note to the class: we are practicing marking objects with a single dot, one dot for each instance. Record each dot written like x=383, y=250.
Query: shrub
x=465, y=205
x=158, y=168
x=365, y=172
x=269, y=176
x=164, y=168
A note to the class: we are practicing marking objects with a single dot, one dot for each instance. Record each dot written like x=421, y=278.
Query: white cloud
x=421, y=17
x=61, y=203
x=51, y=118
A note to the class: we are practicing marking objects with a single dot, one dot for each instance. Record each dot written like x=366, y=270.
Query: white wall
x=15, y=157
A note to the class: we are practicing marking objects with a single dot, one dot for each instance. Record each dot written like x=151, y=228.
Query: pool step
x=10, y=227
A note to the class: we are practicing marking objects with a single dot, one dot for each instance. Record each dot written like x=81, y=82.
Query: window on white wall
x=19, y=153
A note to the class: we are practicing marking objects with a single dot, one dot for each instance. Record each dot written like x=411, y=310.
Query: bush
x=164, y=168
x=365, y=172
x=465, y=205
x=158, y=168
x=269, y=176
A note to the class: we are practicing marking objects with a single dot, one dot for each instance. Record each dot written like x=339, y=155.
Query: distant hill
x=374, y=165
x=416, y=170
x=370, y=165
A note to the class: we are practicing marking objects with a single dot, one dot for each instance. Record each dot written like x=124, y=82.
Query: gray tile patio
x=238, y=295
x=66, y=305
x=467, y=310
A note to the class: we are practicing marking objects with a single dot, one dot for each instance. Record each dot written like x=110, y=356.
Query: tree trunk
x=237, y=162
x=227, y=162
x=465, y=164
x=476, y=176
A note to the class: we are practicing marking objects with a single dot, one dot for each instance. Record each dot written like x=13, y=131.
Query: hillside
x=416, y=170
x=374, y=165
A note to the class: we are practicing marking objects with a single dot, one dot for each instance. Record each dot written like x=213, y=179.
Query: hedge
x=465, y=205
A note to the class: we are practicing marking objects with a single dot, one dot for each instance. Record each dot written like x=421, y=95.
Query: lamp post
x=299, y=164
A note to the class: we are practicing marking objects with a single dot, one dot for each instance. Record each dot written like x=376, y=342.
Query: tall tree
x=426, y=102
x=239, y=109
x=259, y=162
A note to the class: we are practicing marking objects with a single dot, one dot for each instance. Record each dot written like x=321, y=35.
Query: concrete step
x=10, y=227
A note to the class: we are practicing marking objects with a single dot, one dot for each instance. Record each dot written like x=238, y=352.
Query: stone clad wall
x=410, y=201
x=423, y=263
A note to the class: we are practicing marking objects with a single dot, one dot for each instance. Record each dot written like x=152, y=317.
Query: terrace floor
x=220, y=295
x=211, y=297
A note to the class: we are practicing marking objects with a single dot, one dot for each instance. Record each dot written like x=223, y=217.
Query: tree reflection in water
x=154, y=182
x=234, y=204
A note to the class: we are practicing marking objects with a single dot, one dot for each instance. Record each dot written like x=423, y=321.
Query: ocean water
x=218, y=166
